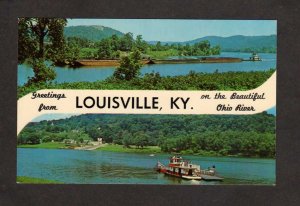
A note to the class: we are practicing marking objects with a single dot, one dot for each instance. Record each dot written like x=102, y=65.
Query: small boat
x=178, y=167
x=151, y=155
x=254, y=57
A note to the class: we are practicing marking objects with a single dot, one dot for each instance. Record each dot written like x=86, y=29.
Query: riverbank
x=104, y=147
x=33, y=180
x=46, y=145
x=60, y=145
x=133, y=149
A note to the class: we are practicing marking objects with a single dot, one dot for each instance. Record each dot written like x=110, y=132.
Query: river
x=91, y=74
x=94, y=167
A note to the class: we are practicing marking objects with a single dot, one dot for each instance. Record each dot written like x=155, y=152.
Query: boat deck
x=211, y=177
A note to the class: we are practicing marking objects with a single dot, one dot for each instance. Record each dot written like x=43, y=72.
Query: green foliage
x=40, y=39
x=130, y=149
x=68, y=54
x=153, y=81
x=51, y=133
x=127, y=42
x=129, y=67
x=111, y=47
x=88, y=53
x=202, y=48
x=105, y=49
x=141, y=139
x=163, y=54
x=42, y=73
x=241, y=135
x=232, y=43
x=91, y=33
x=80, y=42
x=45, y=145
x=140, y=44
x=33, y=180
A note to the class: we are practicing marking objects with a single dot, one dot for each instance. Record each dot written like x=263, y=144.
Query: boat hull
x=191, y=177
x=187, y=171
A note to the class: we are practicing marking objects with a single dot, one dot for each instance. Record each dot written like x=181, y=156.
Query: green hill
x=93, y=33
x=236, y=43
x=239, y=42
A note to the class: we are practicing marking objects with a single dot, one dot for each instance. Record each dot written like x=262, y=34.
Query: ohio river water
x=96, y=167
x=91, y=74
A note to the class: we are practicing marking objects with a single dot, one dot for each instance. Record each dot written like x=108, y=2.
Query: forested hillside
x=243, y=135
x=92, y=33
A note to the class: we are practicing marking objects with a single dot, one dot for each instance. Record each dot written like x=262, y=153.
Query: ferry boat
x=178, y=167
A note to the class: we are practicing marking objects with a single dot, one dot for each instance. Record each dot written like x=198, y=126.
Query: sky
x=183, y=30
x=52, y=117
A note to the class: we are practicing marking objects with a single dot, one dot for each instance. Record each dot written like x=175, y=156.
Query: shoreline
x=34, y=180
x=147, y=150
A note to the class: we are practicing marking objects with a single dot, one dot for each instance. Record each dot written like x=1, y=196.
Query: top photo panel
x=144, y=54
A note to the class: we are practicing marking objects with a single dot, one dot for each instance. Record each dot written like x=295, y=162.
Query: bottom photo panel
x=148, y=149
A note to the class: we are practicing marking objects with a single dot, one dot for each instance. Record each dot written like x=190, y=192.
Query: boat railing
x=207, y=172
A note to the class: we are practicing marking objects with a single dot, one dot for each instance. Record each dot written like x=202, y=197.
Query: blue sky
x=183, y=30
x=52, y=117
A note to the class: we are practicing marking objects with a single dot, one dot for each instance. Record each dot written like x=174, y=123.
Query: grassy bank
x=33, y=180
x=47, y=145
x=106, y=147
x=121, y=148
x=131, y=149
x=240, y=81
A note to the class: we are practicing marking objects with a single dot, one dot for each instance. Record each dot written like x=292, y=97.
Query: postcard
x=146, y=101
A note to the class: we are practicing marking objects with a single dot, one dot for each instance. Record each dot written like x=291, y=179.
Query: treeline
x=244, y=135
x=115, y=46
x=48, y=134
x=202, y=48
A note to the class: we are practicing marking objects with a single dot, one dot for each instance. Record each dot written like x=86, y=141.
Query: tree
x=105, y=49
x=39, y=40
x=141, y=139
x=158, y=46
x=140, y=43
x=71, y=53
x=129, y=66
x=126, y=42
x=115, y=42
